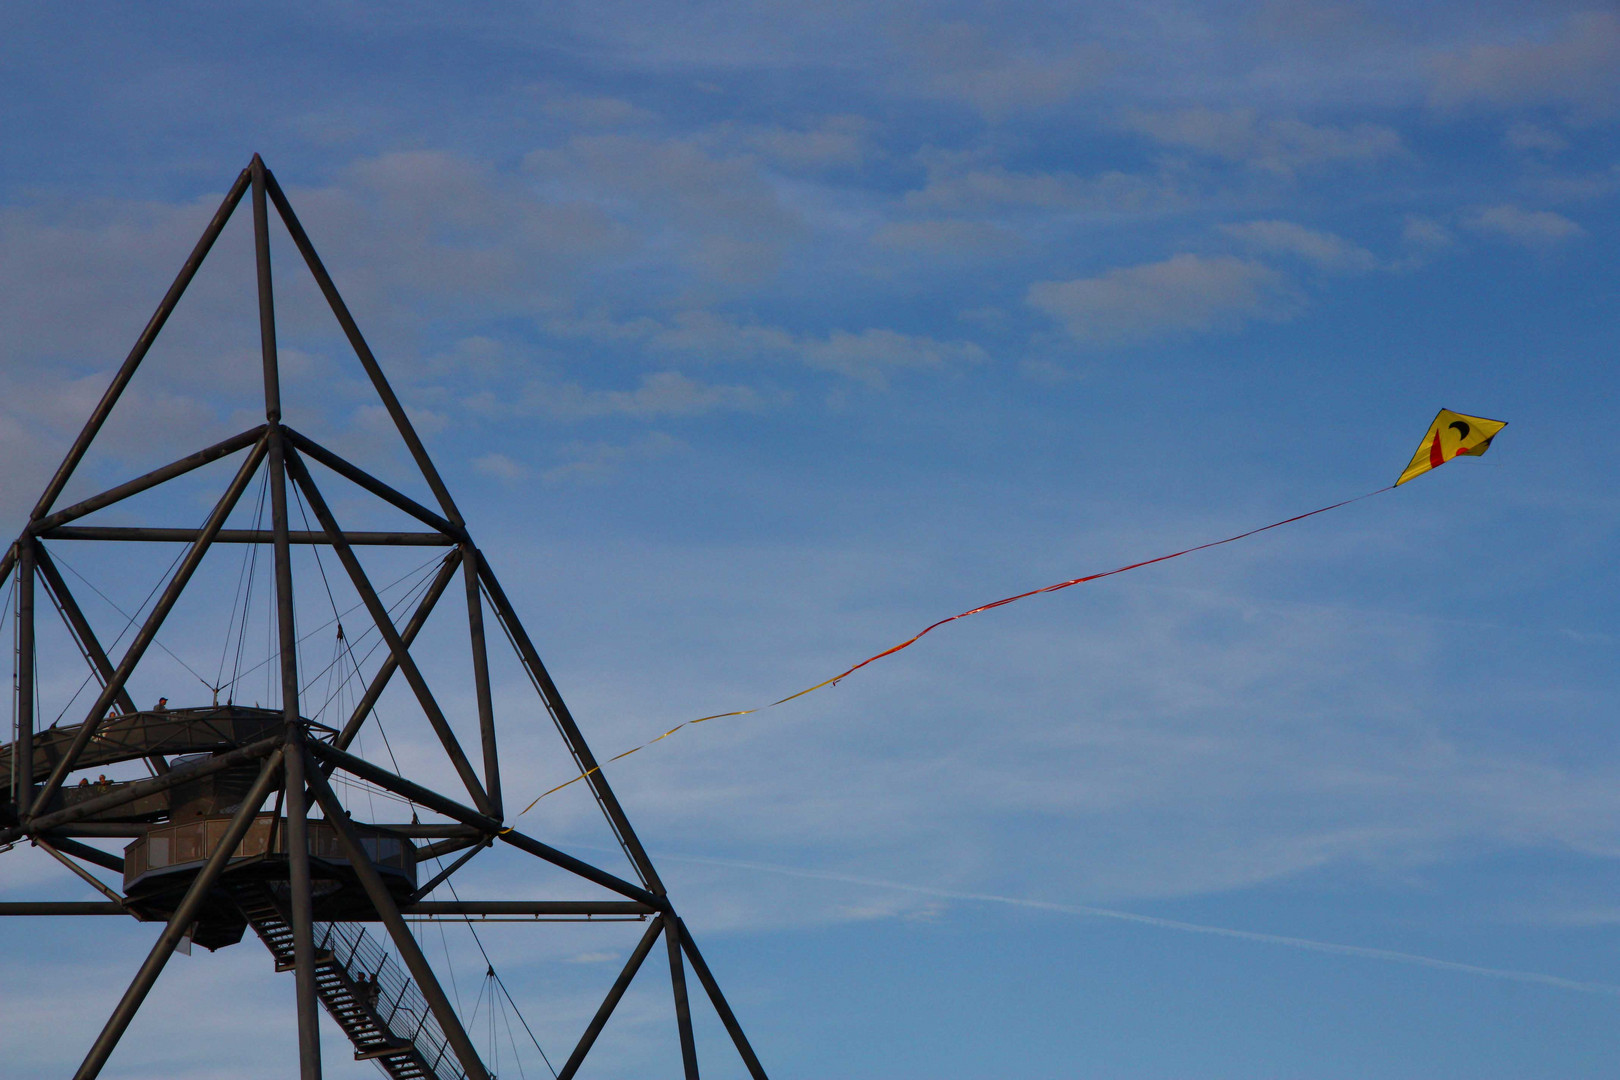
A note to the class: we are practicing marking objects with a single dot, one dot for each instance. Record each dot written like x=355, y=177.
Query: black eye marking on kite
x=1462, y=429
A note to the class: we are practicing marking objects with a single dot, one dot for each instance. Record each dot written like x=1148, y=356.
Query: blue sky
x=754, y=338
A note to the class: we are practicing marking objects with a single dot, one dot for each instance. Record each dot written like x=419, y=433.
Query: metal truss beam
x=61, y=907
x=179, y=923
x=127, y=370
x=683, y=1007
x=379, y=681
x=432, y=800
x=480, y=660
x=357, y=475
x=388, y=911
x=127, y=793
x=362, y=351
x=390, y=635
x=242, y=536
x=569, y=730
x=721, y=1007
x=611, y=1002
x=152, y=479
x=148, y=631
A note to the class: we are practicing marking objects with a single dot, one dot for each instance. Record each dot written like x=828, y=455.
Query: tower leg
x=23, y=752
x=179, y=922
x=388, y=912
x=727, y=1017
x=611, y=1002
x=309, y=1031
x=683, y=1007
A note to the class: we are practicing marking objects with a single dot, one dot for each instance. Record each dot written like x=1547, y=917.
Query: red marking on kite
x=1437, y=456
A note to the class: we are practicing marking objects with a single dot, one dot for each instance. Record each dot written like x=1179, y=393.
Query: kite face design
x=1451, y=436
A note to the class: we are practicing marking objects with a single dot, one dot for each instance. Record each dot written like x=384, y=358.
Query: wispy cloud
x=1577, y=65
x=1280, y=145
x=593, y=462
x=661, y=393
x=1324, y=250
x=1182, y=294
x=966, y=186
x=501, y=467
x=872, y=355
x=1531, y=228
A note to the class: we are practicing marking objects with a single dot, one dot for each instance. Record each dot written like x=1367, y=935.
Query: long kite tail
x=925, y=631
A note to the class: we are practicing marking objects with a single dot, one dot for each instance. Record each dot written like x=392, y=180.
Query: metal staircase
x=391, y=1024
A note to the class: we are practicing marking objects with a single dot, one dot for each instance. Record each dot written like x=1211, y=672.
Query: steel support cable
x=84, y=651
x=395, y=607
x=298, y=496
x=161, y=581
x=250, y=563
x=493, y=980
x=371, y=789
x=386, y=588
x=377, y=716
x=502, y=983
x=511, y=1037
x=237, y=673
x=478, y=1007
x=418, y=589
x=450, y=965
x=535, y=682
x=129, y=622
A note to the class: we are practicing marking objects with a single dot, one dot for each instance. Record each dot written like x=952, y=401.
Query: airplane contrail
x=1308, y=944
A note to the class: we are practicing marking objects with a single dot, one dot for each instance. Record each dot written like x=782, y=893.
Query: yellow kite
x=1451, y=436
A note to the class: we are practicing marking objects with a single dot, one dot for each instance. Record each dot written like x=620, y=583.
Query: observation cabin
x=176, y=829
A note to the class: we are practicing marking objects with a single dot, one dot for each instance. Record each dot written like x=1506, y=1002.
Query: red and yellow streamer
x=925, y=631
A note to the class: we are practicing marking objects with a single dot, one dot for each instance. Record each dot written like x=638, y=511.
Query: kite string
x=906, y=644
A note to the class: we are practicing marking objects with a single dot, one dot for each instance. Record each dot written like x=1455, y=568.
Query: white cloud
x=501, y=467
x=1422, y=240
x=712, y=214
x=952, y=186
x=948, y=239
x=838, y=142
x=662, y=393
x=1532, y=228
x=1577, y=66
x=586, y=111
x=1581, y=187
x=960, y=61
x=594, y=462
x=869, y=355
x=1185, y=293
x=1324, y=249
x=1525, y=136
x=1423, y=232
x=1282, y=146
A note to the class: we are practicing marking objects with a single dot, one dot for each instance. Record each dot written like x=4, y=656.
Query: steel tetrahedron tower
x=223, y=835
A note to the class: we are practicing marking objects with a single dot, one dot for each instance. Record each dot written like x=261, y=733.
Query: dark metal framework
x=293, y=762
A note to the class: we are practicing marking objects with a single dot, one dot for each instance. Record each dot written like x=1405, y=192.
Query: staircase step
x=400, y=1059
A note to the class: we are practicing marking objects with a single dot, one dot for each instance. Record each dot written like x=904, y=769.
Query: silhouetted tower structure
x=221, y=837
